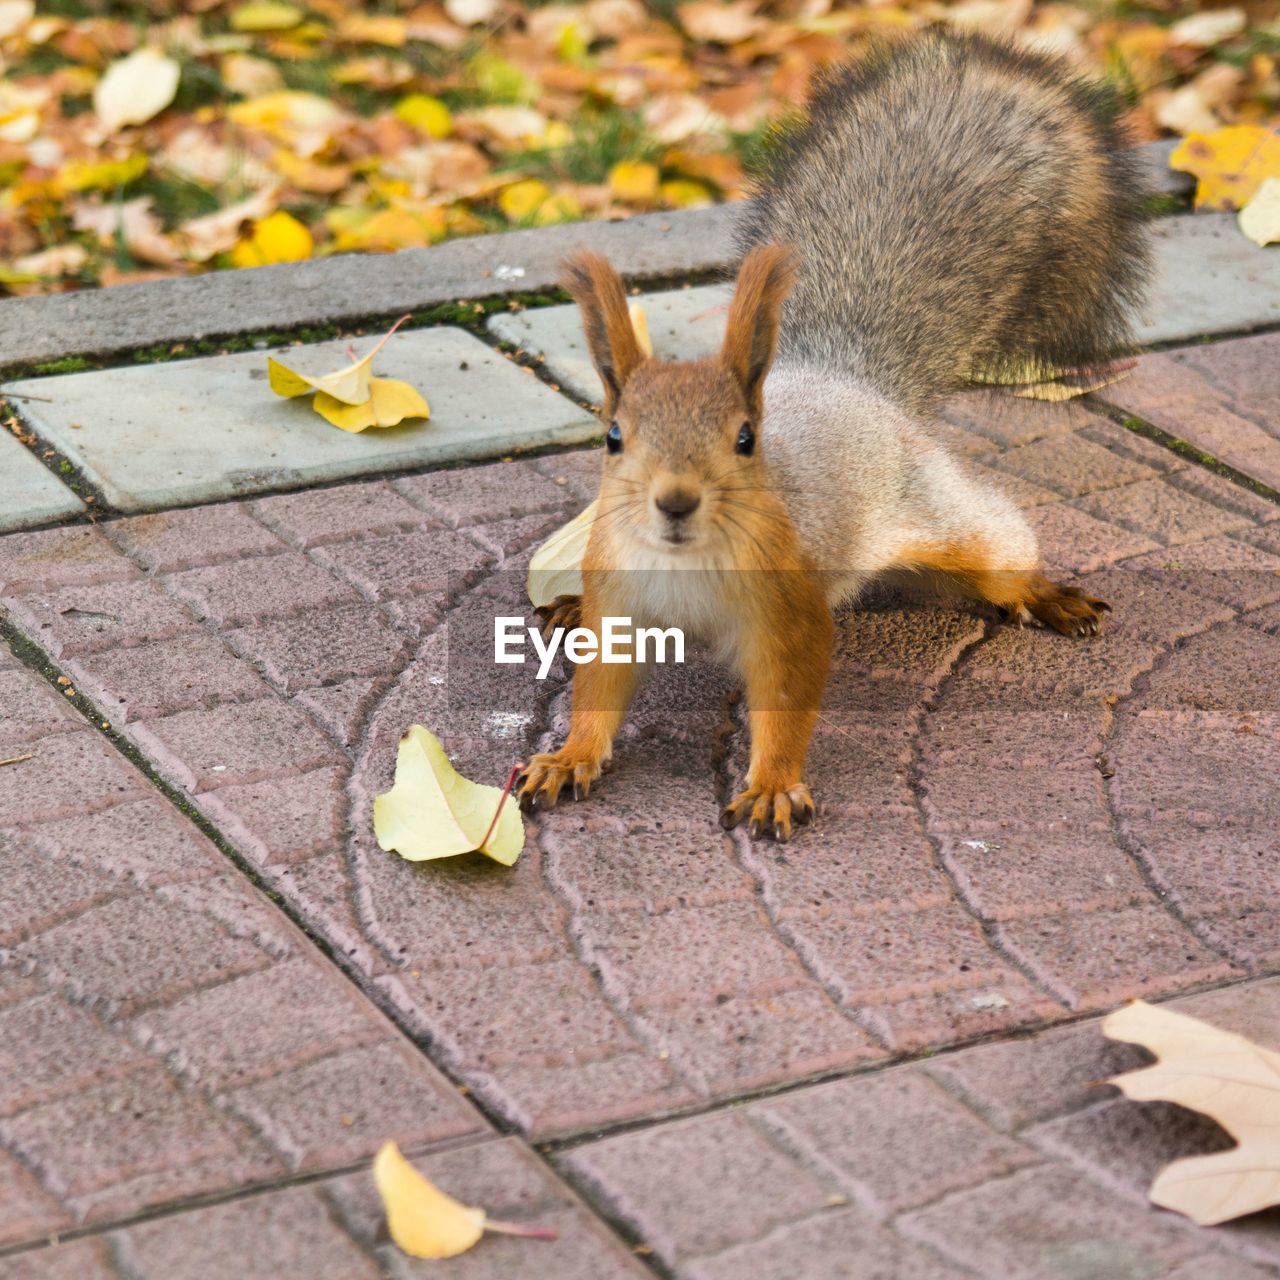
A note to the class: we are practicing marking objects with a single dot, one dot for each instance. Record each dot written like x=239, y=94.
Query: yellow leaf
x=681, y=193
x=374, y=28
x=385, y=230
x=556, y=567
x=100, y=175
x=1260, y=218
x=427, y=115
x=304, y=121
x=215, y=233
x=423, y=1221
x=279, y=237
x=1231, y=163
x=572, y=43
x=432, y=811
x=390, y=403
x=634, y=180
x=561, y=207
x=135, y=88
x=1223, y=1076
x=523, y=199
x=265, y=15
x=350, y=384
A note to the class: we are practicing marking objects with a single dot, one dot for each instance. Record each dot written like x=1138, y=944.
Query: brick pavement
x=1016, y=831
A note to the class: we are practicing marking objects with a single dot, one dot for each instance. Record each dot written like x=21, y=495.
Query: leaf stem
x=520, y=1229
x=502, y=799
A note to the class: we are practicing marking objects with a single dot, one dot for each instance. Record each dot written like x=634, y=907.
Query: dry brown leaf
x=132, y=221
x=1223, y=1076
x=216, y=233
x=720, y=22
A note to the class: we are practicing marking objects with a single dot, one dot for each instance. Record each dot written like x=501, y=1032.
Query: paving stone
x=313, y=517
x=69, y=774
x=842, y=1244
x=87, y=619
x=193, y=430
x=255, y=590
x=52, y=558
x=1048, y=1222
x=694, y=1186
x=29, y=492
x=684, y=324
x=894, y=1140
x=170, y=675
x=1223, y=399
x=473, y=495
x=167, y=541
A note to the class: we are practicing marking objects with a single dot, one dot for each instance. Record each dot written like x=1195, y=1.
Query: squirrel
x=952, y=205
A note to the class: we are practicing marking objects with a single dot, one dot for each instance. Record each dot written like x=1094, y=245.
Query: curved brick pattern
x=164, y=1031
x=995, y=843
x=999, y=1160
x=1224, y=399
x=333, y=1229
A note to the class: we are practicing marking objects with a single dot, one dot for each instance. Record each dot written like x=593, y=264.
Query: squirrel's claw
x=563, y=611
x=544, y=777
x=772, y=812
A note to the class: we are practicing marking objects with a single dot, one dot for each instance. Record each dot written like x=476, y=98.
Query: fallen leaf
x=1231, y=163
x=135, y=89
x=520, y=201
x=1260, y=218
x=130, y=221
x=426, y=114
x=1203, y=30
x=62, y=260
x=472, y=13
x=279, y=237
x=683, y=193
x=215, y=233
x=634, y=180
x=374, y=28
x=100, y=175
x=423, y=1221
x=390, y=403
x=348, y=385
x=265, y=15
x=304, y=121
x=673, y=117
x=250, y=77
x=719, y=22
x=432, y=811
x=1223, y=1076
x=555, y=569
x=14, y=15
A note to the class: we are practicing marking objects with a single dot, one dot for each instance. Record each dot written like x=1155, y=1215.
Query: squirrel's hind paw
x=1068, y=611
x=772, y=812
x=546, y=776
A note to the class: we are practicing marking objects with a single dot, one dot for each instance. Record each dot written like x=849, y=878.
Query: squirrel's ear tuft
x=597, y=288
x=751, y=337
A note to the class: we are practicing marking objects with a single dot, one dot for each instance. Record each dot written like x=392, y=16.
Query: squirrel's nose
x=678, y=503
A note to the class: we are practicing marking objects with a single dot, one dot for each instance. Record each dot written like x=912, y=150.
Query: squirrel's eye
x=746, y=441
x=613, y=438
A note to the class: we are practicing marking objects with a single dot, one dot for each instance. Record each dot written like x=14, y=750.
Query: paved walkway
x=218, y=996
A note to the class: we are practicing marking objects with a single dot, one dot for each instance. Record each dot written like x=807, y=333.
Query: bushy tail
x=959, y=207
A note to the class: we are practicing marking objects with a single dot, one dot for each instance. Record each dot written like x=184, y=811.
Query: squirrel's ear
x=597, y=289
x=764, y=280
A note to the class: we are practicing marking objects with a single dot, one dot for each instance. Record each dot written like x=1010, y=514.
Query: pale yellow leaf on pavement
x=432, y=811
x=1223, y=1076
x=422, y=1219
x=390, y=403
x=556, y=567
x=135, y=88
x=1260, y=218
x=349, y=385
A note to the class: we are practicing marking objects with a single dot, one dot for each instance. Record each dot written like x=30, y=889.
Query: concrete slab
x=683, y=324
x=29, y=492
x=193, y=430
x=1209, y=279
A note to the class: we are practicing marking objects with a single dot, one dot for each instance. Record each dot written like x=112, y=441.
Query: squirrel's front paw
x=772, y=812
x=546, y=774
x=563, y=611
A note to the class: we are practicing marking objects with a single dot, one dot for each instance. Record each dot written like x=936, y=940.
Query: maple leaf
x=1223, y=1076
